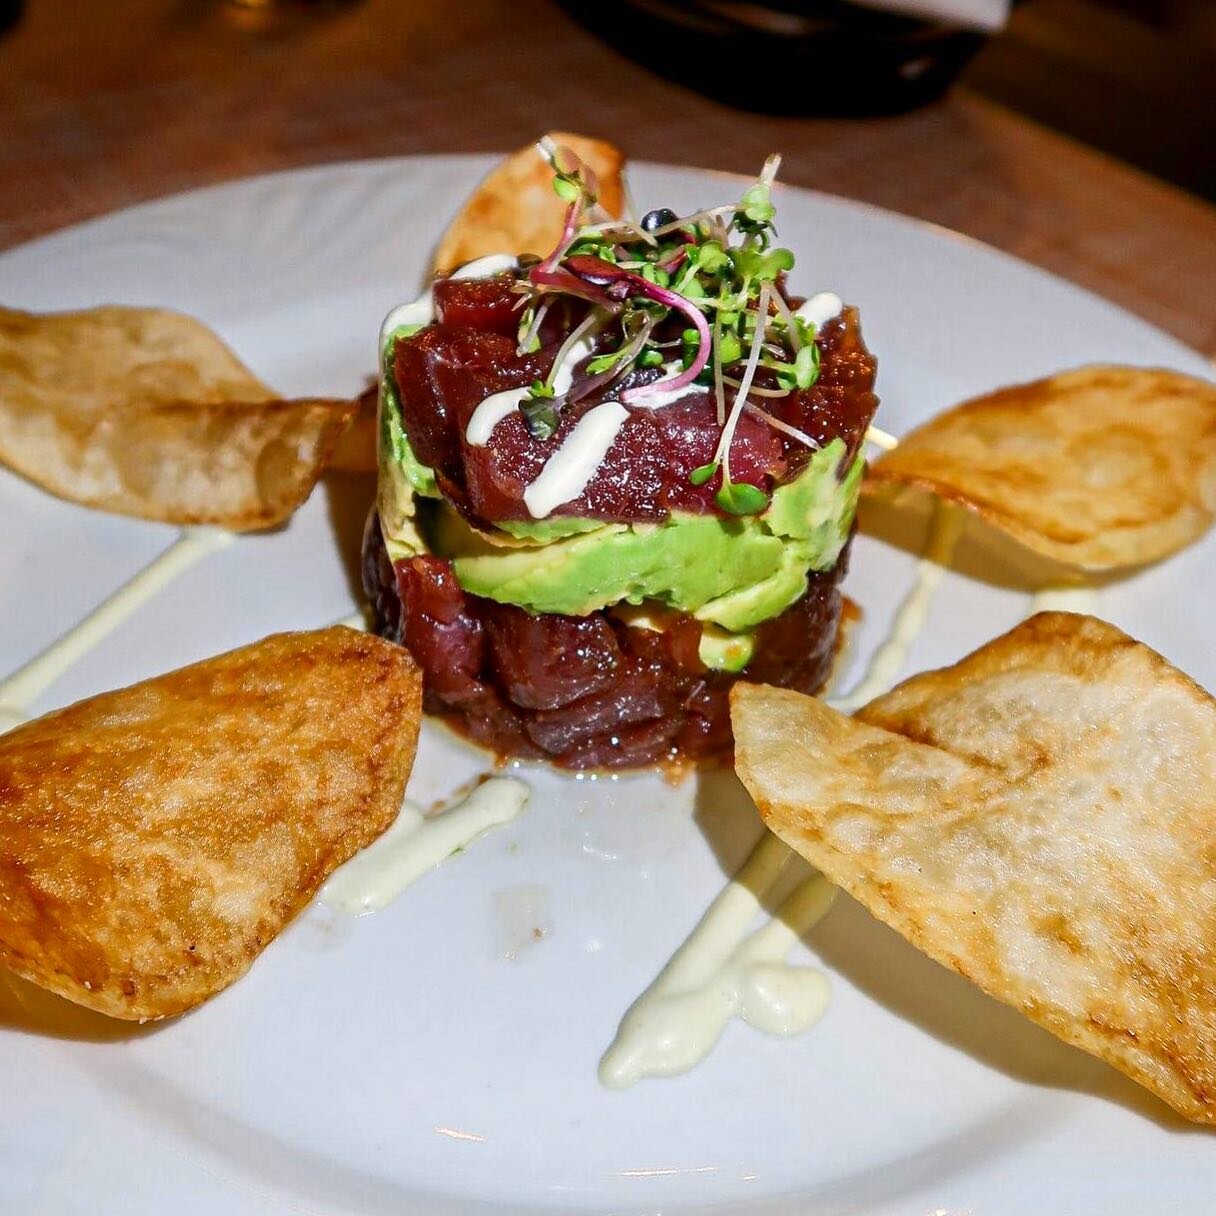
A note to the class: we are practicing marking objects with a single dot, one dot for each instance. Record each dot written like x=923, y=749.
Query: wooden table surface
x=103, y=105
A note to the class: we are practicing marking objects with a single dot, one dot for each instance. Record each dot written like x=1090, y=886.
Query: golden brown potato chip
x=514, y=208
x=1040, y=817
x=154, y=840
x=356, y=448
x=147, y=413
x=1101, y=467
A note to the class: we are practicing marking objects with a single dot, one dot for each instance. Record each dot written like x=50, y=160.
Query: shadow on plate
x=28, y=1009
x=727, y=817
x=876, y=960
x=909, y=984
x=348, y=499
x=983, y=553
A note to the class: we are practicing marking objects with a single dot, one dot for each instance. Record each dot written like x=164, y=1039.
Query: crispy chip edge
x=785, y=821
x=398, y=664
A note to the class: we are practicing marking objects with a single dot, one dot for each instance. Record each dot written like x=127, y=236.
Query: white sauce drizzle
x=498, y=406
x=417, y=312
x=492, y=410
x=563, y=378
x=881, y=439
x=1064, y=599
x=820, y=308
x=28, y=683
x=912, y=614
x=422, y=310
x=486, y=267
x=571, y=467
x=656, y=396
x=721, y=972
x=416, y=844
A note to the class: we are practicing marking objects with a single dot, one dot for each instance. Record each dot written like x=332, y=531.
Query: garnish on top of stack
x=615, y=476
x=645, y=276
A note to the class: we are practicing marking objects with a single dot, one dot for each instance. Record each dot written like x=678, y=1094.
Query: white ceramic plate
x=402, y=1063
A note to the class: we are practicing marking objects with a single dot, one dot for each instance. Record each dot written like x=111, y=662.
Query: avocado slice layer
x=732, y=572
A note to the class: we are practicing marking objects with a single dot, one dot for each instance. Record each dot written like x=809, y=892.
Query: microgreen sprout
x=701, y=293
x=795, y=328
x=756, y=211
x=792, y=431
x=539, y=412
x=528, y=337
x=604, y=363
x=741, y=498
x=573, y=180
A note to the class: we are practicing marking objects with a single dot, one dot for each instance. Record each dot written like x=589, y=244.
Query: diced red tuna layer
x=584, y=692
x=447, y=369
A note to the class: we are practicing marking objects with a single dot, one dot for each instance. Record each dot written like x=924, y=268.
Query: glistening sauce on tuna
x=494, y=408
x=571, y=467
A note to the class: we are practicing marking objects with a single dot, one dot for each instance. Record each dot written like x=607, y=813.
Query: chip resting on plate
x=1041, y=817
x=147, y=413
x=514, y=208
x=1100, y=468
x=154, y=840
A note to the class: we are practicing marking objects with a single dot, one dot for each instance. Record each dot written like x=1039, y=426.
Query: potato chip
x=154, y=840
x=514, y=208
x=1041, y=818
x=147, y=413
x=1100, y=468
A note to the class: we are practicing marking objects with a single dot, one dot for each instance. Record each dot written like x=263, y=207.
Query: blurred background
x=1134, y=77
x=1080, y=134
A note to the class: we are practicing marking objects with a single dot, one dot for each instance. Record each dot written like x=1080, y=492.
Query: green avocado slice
x=680, y=563
x=402, y=479
x=721, y=650
x=746, y=607
x=731, y=572
x=694, y=563
x=542, y=531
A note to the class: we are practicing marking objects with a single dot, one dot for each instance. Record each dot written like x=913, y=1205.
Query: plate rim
x=485, y=160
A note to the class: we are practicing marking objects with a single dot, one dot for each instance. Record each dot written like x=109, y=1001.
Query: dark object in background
x=10, y=13
x=1136, y=78
x=288, y=4
x=792, y=57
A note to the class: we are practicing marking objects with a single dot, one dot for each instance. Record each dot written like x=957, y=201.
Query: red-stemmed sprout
x=741, y=498
x=605, y=368
x=674, y=384
x=561, y=280
x=721, y=263
x=574, y=181
x=619, y=285
x=569, y=228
